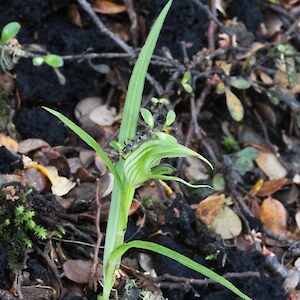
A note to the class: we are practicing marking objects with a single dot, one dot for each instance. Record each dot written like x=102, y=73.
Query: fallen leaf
x=271, y=186
x=74, y=15
x=108, y=7
x=29, y=145
x=270, y=165
x=234, y=105
x=84, y=107
x=60, y=186
x=78, y=270
x=135, y=205
x=103, y=115
x=36, y=179
x=220, y=7
x=227, y=223
x=196, y=169
x=265, y=78
x=209, y=208
x=100, y=165
x=273, y=215
x=8, y=143
x=297, y=218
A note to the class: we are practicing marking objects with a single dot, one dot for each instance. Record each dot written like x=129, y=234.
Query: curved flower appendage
x=143, y=163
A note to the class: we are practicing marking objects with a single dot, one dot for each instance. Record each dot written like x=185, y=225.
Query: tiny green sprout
x=154, y=100
x=54, y=60
x=9, y=31
x=162, y=101
x=31, y=225
x=38, y=61
x=229, y=143
x=117, y=146
x=212, y=256
x=185, y=82
x=7, y=222
x=170, y=119
x=281, y=48
x=148, y=117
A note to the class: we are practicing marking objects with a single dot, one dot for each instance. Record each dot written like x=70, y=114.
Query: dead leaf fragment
x=60, y=185
x=29, y=145
x=108, y=7
x=8, y=143
x=78, y=270
x=270, y=165
x=234, y=105
x=74, y=15
x=227, y=223
x=35, y=179
x=273, y=215
x=103, y=115
x=209, y=208
x=271, y=186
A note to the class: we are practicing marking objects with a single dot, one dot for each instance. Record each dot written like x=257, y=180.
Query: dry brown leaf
x=271, y=186
x=100, y=165
x=8, y=143
x=265, y=78
x=282, y=80
x=270, y=165
x=36, y=179
x=29, y=145
x=273, y=215
x=60, y=185
x=234, y=105
x=108, y=7
x=297, y=218
x=209, y=208
x=256, y=187
x=74, y=15
x=135, y=205
x=78, y=270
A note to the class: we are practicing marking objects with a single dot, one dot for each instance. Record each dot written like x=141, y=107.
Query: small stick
x=87, y=7
x=134, y=22
x=93, y=272
x=212, y=27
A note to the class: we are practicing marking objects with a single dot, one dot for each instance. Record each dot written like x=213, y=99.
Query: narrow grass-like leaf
x=117, y=253
x=137, y=80
x=90, y=141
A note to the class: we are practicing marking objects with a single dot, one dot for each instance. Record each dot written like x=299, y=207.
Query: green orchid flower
x=143, y=163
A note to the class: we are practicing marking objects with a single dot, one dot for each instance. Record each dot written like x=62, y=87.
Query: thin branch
x=134, y=22
x=87, y=7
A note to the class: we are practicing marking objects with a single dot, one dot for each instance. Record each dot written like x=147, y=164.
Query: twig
x=180, y=282
x=134, y=22
x=87, y=7
x=212, y=26
x=212, y=16
x=93, y=272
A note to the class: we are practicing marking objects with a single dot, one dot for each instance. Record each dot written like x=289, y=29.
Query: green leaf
x=248, y=152
x=38, y=61
x=186, y=77
x=117, y=146
x=281, y=48
x=218, y=182
x=9, y=31
x=89, y=140
x=243, y=165
x=137, y=80
x=170, y=119
x=118, y=252
x=148, y=117
x=54, y=60
x=187, y=87
x=240, y=83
